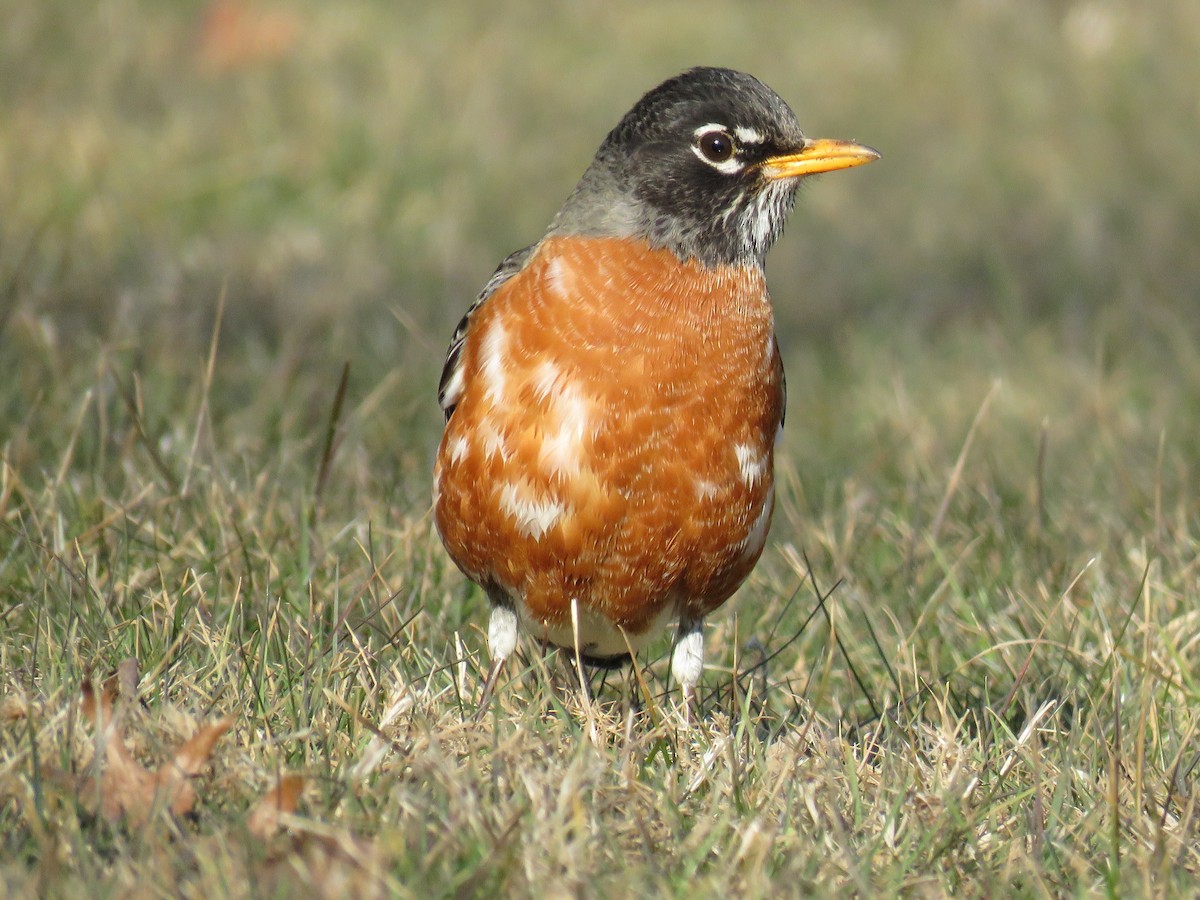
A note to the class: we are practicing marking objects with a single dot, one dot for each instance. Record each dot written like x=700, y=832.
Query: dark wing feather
x=778, y=363
x=450, y=387
x=783, y=388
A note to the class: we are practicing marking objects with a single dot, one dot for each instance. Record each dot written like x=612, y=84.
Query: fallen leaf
x=99, y=707
x=173, y=781
x=312, y=858
x=281, y=800
x=125, y=789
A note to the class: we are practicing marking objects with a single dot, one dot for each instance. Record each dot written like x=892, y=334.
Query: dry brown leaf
x=191, y=758
x=126, y=789
x=315, y=859
x=173, y=780
x=263, y=820
x=99, y=707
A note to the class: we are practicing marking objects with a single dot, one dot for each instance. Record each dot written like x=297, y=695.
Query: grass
x=989, y=472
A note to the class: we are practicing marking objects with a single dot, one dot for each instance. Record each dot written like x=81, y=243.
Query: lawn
x=234, y=658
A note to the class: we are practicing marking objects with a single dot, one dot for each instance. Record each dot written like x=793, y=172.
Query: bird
x=614, y=394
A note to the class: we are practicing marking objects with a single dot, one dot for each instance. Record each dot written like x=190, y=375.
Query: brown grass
x=989, y=472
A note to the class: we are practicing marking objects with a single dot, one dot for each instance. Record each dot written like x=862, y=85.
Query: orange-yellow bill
x=819, y=155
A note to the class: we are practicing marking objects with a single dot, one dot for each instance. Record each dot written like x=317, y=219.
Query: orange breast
x=613, y=443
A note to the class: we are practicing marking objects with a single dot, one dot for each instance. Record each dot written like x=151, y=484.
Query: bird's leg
x=687, y=660
x=502, y=640
x=489, y=687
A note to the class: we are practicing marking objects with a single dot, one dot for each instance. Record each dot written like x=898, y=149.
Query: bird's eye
x=717, y=146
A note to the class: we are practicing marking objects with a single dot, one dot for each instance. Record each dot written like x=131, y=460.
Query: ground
x=236, y=239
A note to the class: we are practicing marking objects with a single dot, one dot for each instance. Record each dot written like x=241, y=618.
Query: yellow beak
x=820, y=155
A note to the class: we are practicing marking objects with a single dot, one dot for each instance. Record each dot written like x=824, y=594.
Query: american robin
x=614, y=395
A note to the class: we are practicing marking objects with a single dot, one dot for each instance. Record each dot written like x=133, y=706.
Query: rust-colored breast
x=613, y=443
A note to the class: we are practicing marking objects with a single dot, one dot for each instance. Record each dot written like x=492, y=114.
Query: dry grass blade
x=331, y=441
x=202, y=413
x=960, y=463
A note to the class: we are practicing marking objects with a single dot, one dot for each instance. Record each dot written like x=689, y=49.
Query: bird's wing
x=450, y=387
x=782, y=385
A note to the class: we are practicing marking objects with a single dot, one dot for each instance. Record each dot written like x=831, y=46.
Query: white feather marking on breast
x=751, y=462
x=562, y=446
x=545, y=379
x=458, y=449
x=756, y=537
x=495, y=349
x=492, y=440
x=559, y=277
x=534, y=516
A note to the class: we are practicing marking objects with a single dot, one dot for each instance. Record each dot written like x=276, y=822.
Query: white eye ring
x=715, y=146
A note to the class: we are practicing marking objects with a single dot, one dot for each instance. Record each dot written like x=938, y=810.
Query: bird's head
x=707, y=165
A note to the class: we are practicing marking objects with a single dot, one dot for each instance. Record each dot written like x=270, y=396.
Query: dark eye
x=717, y=146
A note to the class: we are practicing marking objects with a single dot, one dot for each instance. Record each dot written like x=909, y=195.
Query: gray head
x=706, y=165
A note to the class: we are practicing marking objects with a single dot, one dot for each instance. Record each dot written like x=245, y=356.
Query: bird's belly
x=592, y=631
x=629, y=477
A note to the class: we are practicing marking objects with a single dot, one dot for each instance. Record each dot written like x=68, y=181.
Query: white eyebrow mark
x=748, y=135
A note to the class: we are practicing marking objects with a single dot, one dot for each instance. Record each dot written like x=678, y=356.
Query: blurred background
x=347, y=175
x=991, y=459
x=991, y=336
